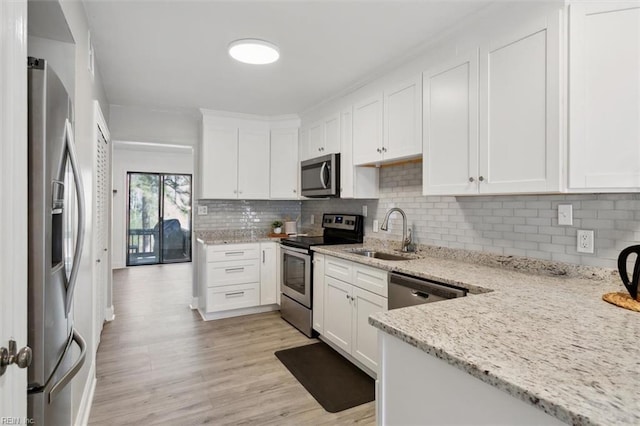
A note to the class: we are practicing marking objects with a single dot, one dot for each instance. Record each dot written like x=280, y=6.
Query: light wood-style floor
x=159, y=363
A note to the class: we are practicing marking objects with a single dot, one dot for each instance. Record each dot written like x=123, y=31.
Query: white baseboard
x=109, y=314
x=209, y=316
x=82, y=419
x=194, y=303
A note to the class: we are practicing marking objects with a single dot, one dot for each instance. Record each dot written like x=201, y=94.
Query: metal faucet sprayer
x=406, y=239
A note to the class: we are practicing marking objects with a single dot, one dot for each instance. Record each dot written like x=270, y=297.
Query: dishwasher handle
x=422, y=286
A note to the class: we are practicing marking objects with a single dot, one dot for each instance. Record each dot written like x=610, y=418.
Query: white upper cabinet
x=303, y=144
x=219, y=162
x=316, y=140
x=355, y=182
x=402, y=120
x=450, y=135
x=331, y=134
x=284, y=164
x=235, y=157
x=367, y=130
x=604, y=91
x=324, y=137
x=520, y=110
x=388, y=127
x=253, y=164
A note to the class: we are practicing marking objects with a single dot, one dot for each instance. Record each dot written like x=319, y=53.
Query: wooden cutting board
x=623, y=300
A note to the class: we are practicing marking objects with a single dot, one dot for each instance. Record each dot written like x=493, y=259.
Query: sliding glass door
x=159, y=218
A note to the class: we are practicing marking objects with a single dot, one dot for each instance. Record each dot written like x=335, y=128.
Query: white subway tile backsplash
x=514, y=225
x=518, y=225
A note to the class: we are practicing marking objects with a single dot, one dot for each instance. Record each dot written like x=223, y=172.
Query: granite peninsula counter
x=541, y=333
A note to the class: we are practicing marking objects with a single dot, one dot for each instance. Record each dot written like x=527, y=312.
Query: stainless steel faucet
x=406, y=238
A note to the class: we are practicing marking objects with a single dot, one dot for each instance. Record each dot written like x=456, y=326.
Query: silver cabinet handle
x=263, y=255
x=379, y=151
x=235, y=294
x=227, y=270
x=481, y=179
x=294, y=191
x=384, y=149
x=233, y=253
x=347, y=297
x=471, y=179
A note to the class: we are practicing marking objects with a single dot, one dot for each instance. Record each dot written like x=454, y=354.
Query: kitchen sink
x=379, y=255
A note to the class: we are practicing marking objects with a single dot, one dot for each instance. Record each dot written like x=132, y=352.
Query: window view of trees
x=157, y=200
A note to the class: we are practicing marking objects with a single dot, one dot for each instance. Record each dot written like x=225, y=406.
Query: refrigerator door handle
x=73, y=159
x=64, y=381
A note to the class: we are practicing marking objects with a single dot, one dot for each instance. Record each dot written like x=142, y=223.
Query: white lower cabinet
x=318, y=293
x=338, y=307
x=347, y=307
x=364, y=344
x=268, y=274
x=236, y=276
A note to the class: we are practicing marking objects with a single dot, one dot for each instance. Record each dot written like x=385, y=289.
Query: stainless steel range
x=297, y=266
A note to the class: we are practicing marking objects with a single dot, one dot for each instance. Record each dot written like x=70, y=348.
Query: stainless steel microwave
x=320, y=177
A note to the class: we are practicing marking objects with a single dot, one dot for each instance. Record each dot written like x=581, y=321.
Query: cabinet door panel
x=604, y=89
x=339, y=268
x=268, y=281
x=365, y=336
x=331, y=134
x=318, y=293
x=520, y=115
x=367, y=131
x=316, y=139
x=402, y=120
x=451, y=128
x=219, y=162
x=338, y=313
x=253, y=165
x=284, y=164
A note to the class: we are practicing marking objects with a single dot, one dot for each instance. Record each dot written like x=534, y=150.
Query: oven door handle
x=294, y=249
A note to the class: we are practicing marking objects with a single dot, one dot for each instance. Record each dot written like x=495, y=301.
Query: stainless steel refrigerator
x=56, y=234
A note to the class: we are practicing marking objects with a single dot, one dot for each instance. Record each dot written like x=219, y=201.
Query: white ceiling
x=173, y=54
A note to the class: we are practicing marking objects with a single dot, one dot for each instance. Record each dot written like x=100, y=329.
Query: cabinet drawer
x=233, y=297
x=372, y=279
x=235, y=272
x=222, y=253
x=338, y=268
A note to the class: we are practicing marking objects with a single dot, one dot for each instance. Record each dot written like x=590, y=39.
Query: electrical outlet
x=565, y=214
x=202, y=210
x=364, y=211
x=312, y=219
x=376, y=228
x=585, y=241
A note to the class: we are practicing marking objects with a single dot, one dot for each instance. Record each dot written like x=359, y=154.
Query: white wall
x=87, y=89
x=61, y=57
x=499, y=18
x=140, y=157
x=140, y=124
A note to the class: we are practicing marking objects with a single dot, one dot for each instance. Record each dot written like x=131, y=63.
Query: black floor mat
x=333, y=381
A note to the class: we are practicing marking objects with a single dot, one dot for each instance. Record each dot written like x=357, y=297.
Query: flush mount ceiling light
x=254, y=51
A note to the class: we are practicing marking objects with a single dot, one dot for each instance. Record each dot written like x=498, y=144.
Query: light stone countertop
x=544, y=336
x=237, y=236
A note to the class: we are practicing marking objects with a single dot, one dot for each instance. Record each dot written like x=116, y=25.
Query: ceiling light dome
x=254, y=51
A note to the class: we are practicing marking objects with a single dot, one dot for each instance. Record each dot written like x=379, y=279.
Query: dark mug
x=632, y=286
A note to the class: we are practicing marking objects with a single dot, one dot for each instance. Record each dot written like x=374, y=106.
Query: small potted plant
x=277, y=226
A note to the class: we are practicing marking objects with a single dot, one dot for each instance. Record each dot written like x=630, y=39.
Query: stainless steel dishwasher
x=405, y=290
